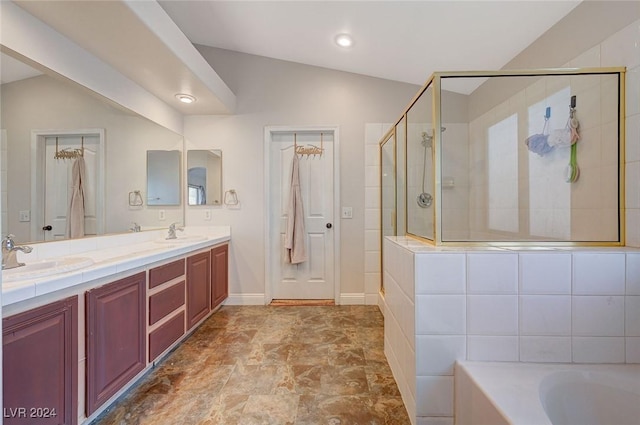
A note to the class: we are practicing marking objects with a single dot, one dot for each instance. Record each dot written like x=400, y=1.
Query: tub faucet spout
x=9, y=251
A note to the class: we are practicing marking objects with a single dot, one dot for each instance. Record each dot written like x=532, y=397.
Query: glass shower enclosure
x=509, y=158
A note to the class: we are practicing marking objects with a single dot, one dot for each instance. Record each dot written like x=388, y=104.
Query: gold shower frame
x=435, y=82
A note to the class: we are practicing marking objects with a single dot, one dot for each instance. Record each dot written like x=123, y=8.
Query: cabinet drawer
x=165, y=335
x=166, y=301
x=162, y=274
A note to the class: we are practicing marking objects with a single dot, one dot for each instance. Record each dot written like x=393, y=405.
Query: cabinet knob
x=48, y=227
x=329, y=225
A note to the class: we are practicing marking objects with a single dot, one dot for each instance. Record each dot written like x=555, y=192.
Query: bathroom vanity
x=74, y=341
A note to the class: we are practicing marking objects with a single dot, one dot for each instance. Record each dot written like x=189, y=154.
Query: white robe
x=75, y=216
x=294, y=240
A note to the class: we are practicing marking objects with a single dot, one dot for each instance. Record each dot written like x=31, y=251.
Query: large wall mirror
x=204, y=177
x=41, y=117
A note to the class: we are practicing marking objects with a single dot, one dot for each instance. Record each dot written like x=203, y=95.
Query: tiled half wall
x=555, y=305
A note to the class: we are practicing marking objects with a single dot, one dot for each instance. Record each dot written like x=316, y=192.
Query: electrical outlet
x=25, y=215
x=207, y=215
x=347, y=212
x=161, y=215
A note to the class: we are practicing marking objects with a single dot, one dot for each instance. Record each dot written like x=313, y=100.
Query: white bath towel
x=294, y=239
x=75, y=215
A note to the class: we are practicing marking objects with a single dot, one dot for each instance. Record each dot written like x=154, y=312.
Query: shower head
x=427, y=139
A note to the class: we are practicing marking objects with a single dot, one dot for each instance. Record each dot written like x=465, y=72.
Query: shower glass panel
x=420, y=155
x=514, y=158
x=506, y=168
x=388, y=185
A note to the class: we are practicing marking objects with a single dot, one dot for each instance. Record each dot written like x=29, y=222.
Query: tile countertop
x=111, y=254
x=419, y=247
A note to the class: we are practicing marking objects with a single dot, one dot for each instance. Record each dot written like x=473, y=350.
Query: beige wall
x=272, y=92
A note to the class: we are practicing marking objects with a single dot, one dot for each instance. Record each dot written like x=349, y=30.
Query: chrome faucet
x=135, y=228
x=9, y=251
x=172, y=231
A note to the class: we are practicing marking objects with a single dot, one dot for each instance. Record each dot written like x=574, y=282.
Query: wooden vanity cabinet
x=116, y=337
x=40, y=365
x=167, y=298
x=198, y=287
x=219, y=274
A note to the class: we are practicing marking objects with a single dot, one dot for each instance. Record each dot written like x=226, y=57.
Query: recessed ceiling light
x=185, y=98
x=344, y=40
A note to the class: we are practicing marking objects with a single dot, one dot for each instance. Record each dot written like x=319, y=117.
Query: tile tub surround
x=111, y=254
x=277, y=365
x=579, y=305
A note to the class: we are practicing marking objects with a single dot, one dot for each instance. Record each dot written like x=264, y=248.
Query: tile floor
x=255, y=365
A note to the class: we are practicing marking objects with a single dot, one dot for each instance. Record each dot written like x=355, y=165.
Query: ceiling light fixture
x=344, y=40
x=185, y=98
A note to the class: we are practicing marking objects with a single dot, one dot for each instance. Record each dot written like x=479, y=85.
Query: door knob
x=329, y=225
x=48, y=227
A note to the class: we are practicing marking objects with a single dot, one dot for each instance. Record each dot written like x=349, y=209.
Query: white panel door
x=58, y=183
x=313, y=279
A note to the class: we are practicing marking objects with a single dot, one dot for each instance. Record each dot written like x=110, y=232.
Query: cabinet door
x=219, y=275
x=198, y=287
x=40, y=365
x=116, y=340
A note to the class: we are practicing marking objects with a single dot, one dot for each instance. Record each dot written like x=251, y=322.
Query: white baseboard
x=357, y=298
x=245, y=299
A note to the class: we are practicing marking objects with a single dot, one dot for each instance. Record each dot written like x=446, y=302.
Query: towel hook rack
x=69, y=153
x=310, y=149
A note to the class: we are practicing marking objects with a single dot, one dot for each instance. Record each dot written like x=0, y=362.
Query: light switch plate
x=347, y=212
x=207, y=215
x=25, y=215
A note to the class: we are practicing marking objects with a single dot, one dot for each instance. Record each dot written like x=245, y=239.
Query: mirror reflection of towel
x=294, y=239
x=75, y=215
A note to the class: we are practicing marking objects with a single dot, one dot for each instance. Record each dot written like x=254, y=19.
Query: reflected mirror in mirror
x=163, y=177
x=35, y=108
x=204, y=177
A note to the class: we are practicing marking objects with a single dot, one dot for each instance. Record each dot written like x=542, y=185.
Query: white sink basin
x=45, y=268
x=183, y=239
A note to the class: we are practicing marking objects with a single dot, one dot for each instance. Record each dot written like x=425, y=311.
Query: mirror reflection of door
x=58, y=184
x=204, y=177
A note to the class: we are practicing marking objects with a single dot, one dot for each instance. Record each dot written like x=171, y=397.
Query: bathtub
x=546, y=394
